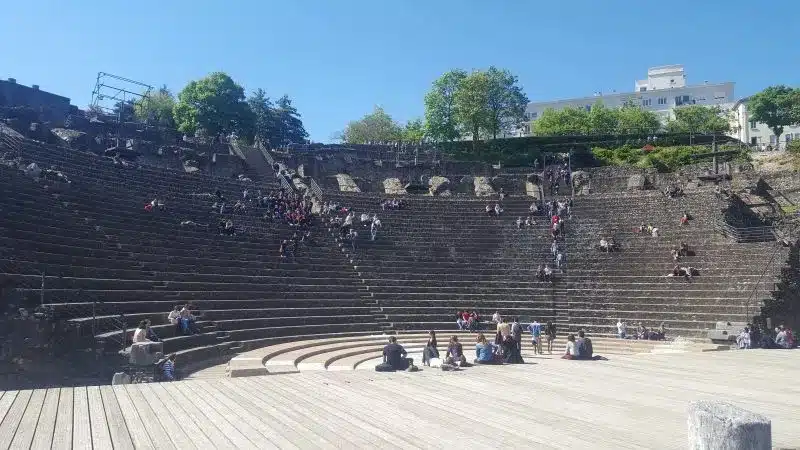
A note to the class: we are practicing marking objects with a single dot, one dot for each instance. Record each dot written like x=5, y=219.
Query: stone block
x=532, y=190
x=437, y=185
x=346, y=183
x=483, y=187
x=146, y=353
x=717, y=425
x=636, y=182
x=393, y=186
x=71, y=138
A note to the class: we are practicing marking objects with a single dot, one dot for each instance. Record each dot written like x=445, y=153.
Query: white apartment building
x=756, y=133
x=664, y=89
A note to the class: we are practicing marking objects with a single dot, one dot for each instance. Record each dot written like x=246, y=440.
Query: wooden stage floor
x=637, y=401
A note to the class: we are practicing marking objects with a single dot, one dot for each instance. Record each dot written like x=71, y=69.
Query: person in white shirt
x=554, y=248
x=497, y=209
x=569, y=351
x=373, y=229
x=604, y=245
x=496, y=317
x=559, y=259
x=519, y=222
x=621, y=329
x=140, y=335
x=533, y=209
x=364, y=219
x=173, y=317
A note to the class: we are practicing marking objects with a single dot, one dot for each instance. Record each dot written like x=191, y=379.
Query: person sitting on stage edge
x=394, y=358
x=484, y=351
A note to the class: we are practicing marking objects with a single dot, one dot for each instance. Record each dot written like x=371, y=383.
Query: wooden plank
x=311, y=430
x=43, y=438
x=166, y=408
x=298, y=432
x=81, y=426
x=62, y=434
x=208, y=409
x=248, y=424
x=134, y=423
x=6, y=400
x=27, y=426
x=10, y=424
x=359, y=434
x=101, y=436
x=120, y=436
x=210, y=430
x=170, y=432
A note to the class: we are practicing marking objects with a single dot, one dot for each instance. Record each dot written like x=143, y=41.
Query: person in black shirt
x=395, y=355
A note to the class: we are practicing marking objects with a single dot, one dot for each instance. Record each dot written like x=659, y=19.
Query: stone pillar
x=723, y=426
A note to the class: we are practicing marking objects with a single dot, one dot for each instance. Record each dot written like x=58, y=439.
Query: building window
x=662, y=100
x=753, y=141
x=772, y=139
x=753, y=125
x=534, y=115
x=646, y=102
x=643, y=89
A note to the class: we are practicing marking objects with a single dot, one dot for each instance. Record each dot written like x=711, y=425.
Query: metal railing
x=285, y=183
x=315, y=189
x=745, y=234
x=267, y=156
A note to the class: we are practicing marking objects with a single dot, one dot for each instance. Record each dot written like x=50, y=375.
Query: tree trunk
x=475, y=132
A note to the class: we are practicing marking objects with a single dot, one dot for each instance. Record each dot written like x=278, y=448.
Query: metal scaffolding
x=111, y=90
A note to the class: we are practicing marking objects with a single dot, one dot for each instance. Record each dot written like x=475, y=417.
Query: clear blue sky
x=338, y=58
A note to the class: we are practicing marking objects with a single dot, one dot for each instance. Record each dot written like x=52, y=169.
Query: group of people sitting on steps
x=393, y=204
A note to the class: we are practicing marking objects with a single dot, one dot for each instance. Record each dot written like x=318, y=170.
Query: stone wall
x=483, y=188
x=346, y=183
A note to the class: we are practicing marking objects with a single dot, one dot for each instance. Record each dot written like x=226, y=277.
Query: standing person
x=621, y=329
x=503, y=331
x=536, y=335
x=516, y=333
x=550, y=331
x=168, y=368
x=430, y=351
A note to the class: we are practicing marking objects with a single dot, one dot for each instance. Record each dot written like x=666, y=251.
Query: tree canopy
x=414, y=131
x=598, y=120
x=699, y=119
x=777, y=107
x=483, y=102
x=440, y=119
x=156, y=109
x=215, y=104
x=377, y=126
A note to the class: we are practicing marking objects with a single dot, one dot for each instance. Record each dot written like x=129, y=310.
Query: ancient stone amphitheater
x=89, y=254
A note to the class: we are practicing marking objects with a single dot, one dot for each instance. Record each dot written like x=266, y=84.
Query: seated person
x=187, y=322
x=489, y=210
x=455, y=353
x=684, y=249
x=151, y=335
x=570, y=352
x=173, y=317
x=462, y=319
x=140, y=334
x=685, y=219
x=430, y=351
x=519, y=223
x=533, y=208
x=497, y=209
x=511, y=351
x=484, y=351
x=654, y=232
x=365, y=220
x=604, y=245
x=675, y=255
x=583, y=346
x=529, y=222
x=394, y=356
x=474, y=323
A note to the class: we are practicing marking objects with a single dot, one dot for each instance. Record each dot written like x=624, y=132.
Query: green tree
x=264, y=118
x=377, y=126
x=414, y=131
x=156, y=108
x=603, y=120
x=562, y=122
x=777, y=107
x=635, y=120
x=289, y=125
x=215, y=104
x=440, y=107
x=699, y=119
x=471, y=104
x=505, y=102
